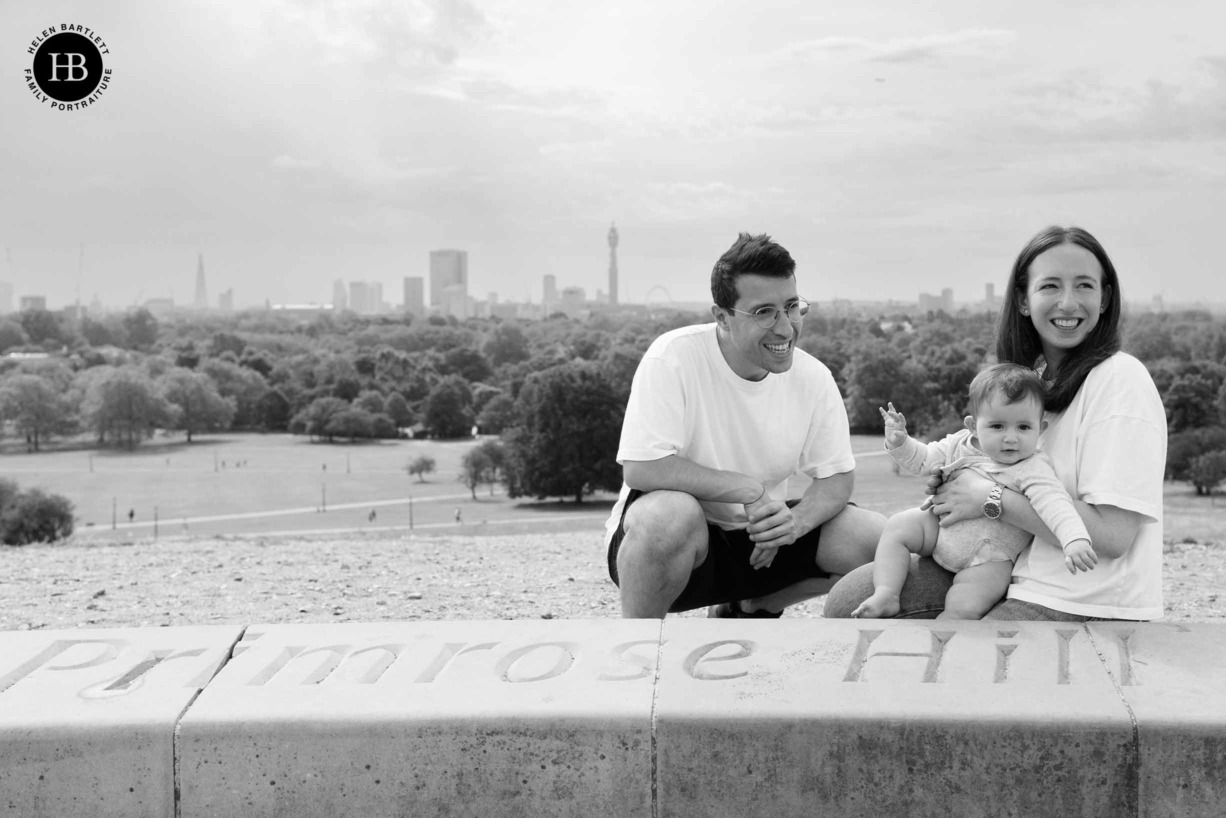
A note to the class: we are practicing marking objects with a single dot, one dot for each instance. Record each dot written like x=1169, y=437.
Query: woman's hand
x=961, y=497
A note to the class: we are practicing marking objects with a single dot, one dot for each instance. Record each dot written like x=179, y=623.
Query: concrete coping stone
x=645, y=718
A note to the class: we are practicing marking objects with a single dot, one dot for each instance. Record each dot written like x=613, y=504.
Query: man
x=719, y=417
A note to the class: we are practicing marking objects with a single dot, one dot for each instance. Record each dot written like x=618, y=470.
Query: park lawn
x=241, y=484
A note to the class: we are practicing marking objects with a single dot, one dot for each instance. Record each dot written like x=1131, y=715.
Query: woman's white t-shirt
x=1108, y=447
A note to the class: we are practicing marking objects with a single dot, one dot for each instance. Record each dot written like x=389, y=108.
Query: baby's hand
x=1079, y=555
x=895, y=426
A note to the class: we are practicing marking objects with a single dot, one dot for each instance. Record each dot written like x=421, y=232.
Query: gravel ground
x=382, y=577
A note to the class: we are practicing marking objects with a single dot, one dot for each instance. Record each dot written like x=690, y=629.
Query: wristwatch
x=991, y=506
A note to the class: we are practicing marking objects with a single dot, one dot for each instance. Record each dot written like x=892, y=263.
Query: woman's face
x=1064, y=298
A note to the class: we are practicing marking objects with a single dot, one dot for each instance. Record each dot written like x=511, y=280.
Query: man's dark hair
x=1012, y=382
x=748, y=255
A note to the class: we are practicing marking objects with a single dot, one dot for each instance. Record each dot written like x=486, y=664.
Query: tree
x=507, y=344
x=1207, y=471
x=36, y=407
x=875, y=375
x=245, y=385
x=140, y=329
x=350, y=422
x=42, y=326
x=124, y=404
x=1184, y=447
x=1190, y=403
x=273, y=410
x=420, y=467
x=11, y=334
x=498, y=414
x=475, y=468
x=201, y=407
x=397, y=408
x=35, y=516
x=314, y=419
x=566, y=442
x=372, y=401
x=483, y=463
x=449, y=412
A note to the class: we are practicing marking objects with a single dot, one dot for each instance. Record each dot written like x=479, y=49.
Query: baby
x=1000, y=442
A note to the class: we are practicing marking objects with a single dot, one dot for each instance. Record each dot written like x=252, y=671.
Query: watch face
x=991, y=509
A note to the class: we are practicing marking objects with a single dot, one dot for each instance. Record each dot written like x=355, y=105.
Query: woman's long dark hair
x=1018, y=342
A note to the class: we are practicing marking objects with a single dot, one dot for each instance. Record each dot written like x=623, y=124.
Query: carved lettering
x=744, y=648
x=1064, y=638
x=566, y=657
x=1003, y=652
x=642, y=664
x=135, y=676
x=1124, y=638
x=378, y=667
x=860, y=657
x=109, y=649
x=450, y=651
x=281, y=660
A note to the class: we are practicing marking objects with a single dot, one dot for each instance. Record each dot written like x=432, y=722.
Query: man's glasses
x=766, y=317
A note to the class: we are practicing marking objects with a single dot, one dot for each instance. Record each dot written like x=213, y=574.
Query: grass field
x=272, y=484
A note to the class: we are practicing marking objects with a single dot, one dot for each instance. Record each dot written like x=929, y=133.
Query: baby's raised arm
x=895, y=426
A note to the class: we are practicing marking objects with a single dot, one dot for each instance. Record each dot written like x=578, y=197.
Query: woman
x=1106, y=435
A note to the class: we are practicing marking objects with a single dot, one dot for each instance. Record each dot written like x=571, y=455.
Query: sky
x=894, y=147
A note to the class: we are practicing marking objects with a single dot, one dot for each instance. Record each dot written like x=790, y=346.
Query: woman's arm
x=961, y=497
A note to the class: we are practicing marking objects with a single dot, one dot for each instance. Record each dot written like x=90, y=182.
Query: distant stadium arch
x=665, y=301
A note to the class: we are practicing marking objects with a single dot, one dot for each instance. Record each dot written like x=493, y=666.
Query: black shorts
x=726, y=575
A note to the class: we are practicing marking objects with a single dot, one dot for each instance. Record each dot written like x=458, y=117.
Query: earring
x=1025, y=310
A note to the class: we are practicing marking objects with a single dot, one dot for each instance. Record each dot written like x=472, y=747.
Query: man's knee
x=849, y=539
x=661, y=523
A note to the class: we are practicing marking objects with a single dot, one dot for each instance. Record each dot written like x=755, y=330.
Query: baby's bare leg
x=977, y=589
x=906, y=533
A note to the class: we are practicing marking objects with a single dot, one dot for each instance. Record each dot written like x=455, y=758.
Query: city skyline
x=891, y=148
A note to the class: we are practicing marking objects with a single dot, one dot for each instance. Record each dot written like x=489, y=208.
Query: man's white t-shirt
x=686, y=400
x=1108, y=447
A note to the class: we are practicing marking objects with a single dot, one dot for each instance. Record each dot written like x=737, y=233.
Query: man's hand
x=1079, y=556
x=895, y=426
x=771, y=525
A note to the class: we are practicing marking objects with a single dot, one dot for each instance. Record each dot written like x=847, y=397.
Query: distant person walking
x=458, y=520
x=371, y=517
x=131, y=514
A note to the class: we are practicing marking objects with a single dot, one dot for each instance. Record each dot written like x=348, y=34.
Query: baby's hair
x=1012, y=381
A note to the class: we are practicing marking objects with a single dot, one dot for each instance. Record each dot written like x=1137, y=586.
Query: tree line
x=554, y=391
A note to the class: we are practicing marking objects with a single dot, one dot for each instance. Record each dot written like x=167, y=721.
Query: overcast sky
x=894, y=147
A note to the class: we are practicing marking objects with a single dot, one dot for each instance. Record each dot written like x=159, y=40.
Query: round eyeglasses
x=766, y=317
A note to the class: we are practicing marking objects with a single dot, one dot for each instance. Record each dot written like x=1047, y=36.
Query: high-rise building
x=6, y=297
x=340, y=300
x=360, y=297
x=613, y=264
x=551, y=289
x=574, y=301
x=201, y=302
x=33, y=302
x=225, y=300
x=448, y=268
x=414, y=295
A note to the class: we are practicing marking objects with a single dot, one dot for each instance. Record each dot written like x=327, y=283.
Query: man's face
x=1008, y=432
x=752, y=351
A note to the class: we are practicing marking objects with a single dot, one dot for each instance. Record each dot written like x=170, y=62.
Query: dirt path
x=381, y=577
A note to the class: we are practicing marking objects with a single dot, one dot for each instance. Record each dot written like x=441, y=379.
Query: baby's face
x=1009, y=432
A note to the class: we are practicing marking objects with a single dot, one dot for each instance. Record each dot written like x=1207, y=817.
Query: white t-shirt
x=686, y=400
x=1108, y=447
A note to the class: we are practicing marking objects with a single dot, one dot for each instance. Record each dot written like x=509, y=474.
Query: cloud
x=978, y=42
